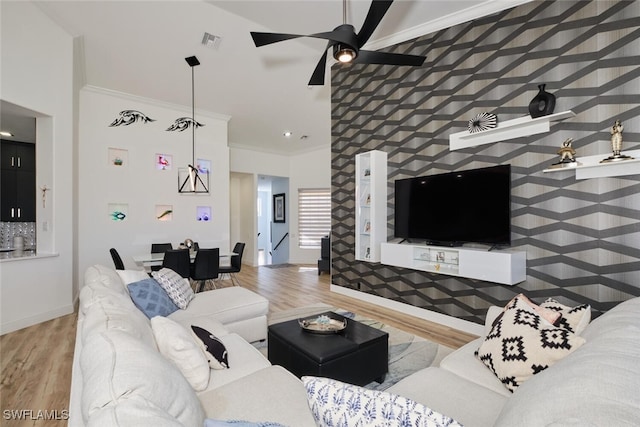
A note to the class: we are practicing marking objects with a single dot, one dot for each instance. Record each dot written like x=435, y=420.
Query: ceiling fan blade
x=263, y=39
x=386, y=58
x=336, y=36
x=317, y=78
x=376, y=12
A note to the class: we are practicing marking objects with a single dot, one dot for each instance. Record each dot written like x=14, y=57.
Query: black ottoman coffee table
x=359, y=354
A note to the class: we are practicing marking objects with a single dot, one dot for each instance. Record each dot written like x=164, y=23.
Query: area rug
x=407, y=353
x=285, y=265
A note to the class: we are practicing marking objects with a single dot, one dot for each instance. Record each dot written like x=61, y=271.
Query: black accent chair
x=159, y=248
x=236, y=264
x=177, y=260
x=117, y=261
x=324, y=263
x=205, y=268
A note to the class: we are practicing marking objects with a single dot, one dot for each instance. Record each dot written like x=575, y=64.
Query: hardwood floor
x=36, y=362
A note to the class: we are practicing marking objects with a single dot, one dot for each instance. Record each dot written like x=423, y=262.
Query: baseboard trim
x=15, y=325
x=443, y=319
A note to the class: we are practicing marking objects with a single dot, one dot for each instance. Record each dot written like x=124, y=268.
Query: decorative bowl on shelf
x=322, y=325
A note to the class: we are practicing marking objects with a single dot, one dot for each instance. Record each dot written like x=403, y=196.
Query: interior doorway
x=273, y=234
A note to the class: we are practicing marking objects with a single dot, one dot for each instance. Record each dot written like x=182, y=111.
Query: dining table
x=149, y=259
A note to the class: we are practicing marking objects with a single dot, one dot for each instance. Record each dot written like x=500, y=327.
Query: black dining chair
x=159, y=248
x=117, y=261
x=235, y=265
x=177, y=260
x=205, y=267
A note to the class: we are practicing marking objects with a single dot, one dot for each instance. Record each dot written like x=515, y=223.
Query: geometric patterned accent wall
x=582, y=237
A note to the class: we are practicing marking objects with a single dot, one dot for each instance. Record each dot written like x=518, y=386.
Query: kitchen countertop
x=15, y=255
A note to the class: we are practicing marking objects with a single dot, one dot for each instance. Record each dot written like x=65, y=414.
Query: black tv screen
x=457, y=207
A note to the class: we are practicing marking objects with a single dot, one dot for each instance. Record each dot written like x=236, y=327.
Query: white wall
x=307, y=170
x=37, y=74
x=140, y=185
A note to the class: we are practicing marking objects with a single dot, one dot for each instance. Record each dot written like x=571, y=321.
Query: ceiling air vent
x=211, y=41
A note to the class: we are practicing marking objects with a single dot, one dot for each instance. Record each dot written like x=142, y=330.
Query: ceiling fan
x=346, y=43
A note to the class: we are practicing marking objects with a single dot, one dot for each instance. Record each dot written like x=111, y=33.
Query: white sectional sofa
x=121, y=379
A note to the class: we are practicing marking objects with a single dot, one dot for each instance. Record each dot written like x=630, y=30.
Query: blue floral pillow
x=338, y=404
x=150, y=298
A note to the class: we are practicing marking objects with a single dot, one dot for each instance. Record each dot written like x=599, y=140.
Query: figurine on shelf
x=567, y=155
x=616, y=144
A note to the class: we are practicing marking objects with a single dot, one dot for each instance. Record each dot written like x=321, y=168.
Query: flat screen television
x=454, y=208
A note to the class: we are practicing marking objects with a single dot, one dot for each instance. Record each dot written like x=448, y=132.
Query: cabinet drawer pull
x=12, y=212
x=13, y=161
x=19, y=213
x=19, y=162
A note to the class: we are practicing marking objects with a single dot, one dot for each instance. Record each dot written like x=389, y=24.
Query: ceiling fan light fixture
x=344, y=53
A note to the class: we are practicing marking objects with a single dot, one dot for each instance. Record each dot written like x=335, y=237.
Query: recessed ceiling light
x=288, y=133
x=3, y=133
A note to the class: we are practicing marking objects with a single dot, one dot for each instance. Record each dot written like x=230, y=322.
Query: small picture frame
x=118, y=157
x=204, y=166
x=164, y=212
x=278, y=208
x=164, y=162
x=367, y=227
x=203, y=213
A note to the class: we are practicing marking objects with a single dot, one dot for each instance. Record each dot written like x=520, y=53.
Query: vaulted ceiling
x=138, y=48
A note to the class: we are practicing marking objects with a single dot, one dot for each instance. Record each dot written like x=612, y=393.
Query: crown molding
x=154, y=102
x=481, y=10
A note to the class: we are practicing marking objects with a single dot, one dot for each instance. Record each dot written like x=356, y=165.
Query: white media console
x=499, y=266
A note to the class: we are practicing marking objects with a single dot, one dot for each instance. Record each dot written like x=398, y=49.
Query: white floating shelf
x=510, y=129
x=590, y=166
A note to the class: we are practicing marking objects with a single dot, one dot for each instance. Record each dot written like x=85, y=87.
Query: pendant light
x=189, y=178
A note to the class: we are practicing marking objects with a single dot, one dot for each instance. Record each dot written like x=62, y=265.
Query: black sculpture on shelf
x=542, y=104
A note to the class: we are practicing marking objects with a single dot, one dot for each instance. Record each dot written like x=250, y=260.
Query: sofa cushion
x=96, y=292
x=176, y=286
x=522, y=343
x=105, y=276
x=336, y=403
x=464, y=363
x=597, y=385
x=445, y=392
x=132, y=413
x=177, y=344
x=111, y=314
x=244, y=359
x=150, y=298
x=278, y=393
x=117, y=367
x=226, y=305
x=214, y=350
x=575, y=319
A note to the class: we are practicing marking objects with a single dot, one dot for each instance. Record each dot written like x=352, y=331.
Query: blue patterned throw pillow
x=337, y=404
x=150, y=298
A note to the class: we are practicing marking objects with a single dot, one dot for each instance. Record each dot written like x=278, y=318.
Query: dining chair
x=205, y=268
x=235, y=265
x=117, y=261
x=177, y=260
x=159, y=248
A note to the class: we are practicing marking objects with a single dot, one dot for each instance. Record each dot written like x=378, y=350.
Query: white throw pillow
x=176, y=286
x=177, y=344
x=334, y=403
x=522, y=343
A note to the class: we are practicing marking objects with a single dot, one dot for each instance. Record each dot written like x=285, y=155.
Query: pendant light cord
x=193, y=119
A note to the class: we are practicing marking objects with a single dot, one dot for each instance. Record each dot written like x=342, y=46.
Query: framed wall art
x=278, y=208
